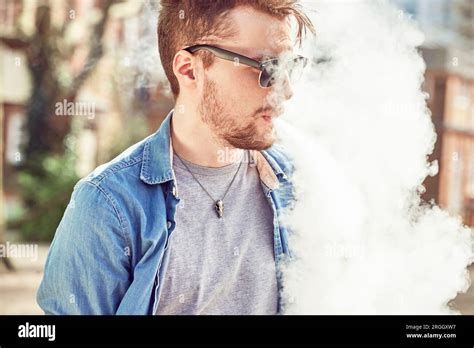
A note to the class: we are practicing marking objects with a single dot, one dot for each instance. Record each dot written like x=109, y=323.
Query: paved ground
x=18, y=289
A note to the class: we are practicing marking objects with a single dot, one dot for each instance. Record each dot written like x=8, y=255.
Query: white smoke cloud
x=359, y=131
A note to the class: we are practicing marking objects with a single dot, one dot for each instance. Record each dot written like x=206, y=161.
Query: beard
x=233, y=129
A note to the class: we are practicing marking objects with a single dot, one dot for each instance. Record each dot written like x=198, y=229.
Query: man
x=130, y=242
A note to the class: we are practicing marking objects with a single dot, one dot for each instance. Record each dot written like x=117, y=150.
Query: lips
x=271, y=116
x=271, y=113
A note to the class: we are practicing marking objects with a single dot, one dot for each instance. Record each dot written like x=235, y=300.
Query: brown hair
x=187, y=22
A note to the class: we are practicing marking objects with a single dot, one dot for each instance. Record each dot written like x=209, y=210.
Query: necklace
x=218, y=204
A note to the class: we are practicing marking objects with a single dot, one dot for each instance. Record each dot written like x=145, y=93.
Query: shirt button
x=169, y=224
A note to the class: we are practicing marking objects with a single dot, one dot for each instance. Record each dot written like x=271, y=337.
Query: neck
x=195, y=142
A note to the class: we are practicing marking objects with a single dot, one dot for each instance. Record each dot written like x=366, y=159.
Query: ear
x=184, y=65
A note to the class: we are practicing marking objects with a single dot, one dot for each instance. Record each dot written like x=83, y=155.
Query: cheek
x=246, y=89
x=248, y=80
x=238, y=88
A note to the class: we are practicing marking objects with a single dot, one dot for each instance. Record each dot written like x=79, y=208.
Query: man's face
x=240, y=112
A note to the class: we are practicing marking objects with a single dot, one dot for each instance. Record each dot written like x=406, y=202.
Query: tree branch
x=95, y=52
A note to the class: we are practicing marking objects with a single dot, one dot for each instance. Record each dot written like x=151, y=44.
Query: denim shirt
x=109, y=253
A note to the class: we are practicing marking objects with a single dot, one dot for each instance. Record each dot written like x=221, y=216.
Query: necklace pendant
x=219, y=208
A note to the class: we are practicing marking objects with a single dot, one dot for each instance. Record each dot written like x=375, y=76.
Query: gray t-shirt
x=220, y=266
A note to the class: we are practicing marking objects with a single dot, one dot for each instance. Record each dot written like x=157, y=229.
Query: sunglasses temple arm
x=227, y=55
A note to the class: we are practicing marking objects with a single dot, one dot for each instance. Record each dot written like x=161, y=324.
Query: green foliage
x=46, y=192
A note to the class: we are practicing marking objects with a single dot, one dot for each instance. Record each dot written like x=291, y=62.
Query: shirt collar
x=158, y=168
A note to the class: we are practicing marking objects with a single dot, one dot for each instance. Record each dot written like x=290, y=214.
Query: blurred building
x=128, y=101
x=449, y=80
x=15, y=85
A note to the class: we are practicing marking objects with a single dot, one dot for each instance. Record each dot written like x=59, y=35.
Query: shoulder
x=117, y=181
x=128, y=161
x=120, y=182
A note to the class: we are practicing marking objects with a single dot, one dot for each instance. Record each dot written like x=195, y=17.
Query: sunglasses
x=270, y=69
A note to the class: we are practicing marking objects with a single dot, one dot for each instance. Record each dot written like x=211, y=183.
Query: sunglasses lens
x=275, y=69
x=295, y=71
x=269, y=71
x=266, y=79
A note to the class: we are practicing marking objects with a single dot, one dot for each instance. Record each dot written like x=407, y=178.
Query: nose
x=287, y=89
x=282, y=87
